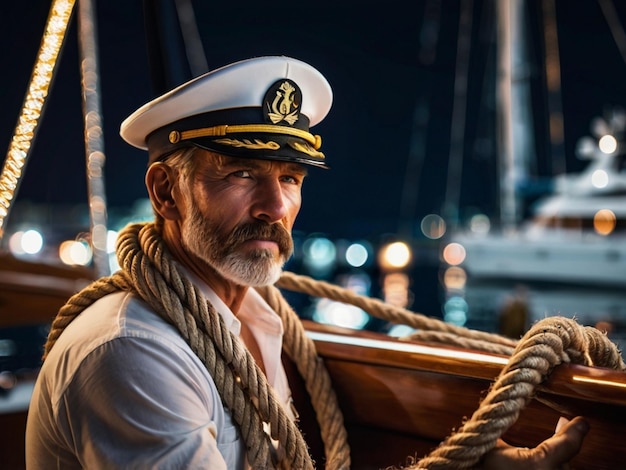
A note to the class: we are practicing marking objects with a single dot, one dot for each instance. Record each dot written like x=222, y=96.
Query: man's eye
x=294, y=179
x=291, y=179
x=242, y=174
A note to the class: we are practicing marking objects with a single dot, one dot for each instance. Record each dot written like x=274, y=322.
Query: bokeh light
x=480, y=224
x=604, y=221
x=395, y=255
x=599, y=179
x=455, y=311
x=75, y=253
x=29, y=242
x=454, y=254
x=357, y=255
x=319, y=254
x=330, y=312
x=607, y=144
x=433, y=226
x=454, y=278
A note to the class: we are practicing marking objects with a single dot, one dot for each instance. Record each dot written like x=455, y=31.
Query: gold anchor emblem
x=285, y=105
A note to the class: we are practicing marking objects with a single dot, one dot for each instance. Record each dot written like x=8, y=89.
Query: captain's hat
x=256, y=108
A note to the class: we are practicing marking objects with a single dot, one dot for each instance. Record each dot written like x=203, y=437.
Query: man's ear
x=161, y=182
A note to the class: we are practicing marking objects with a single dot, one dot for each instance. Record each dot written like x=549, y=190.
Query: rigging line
x=194, y=50
x=457, y=127
x=32, y=109
x=553, y=85
x=616, y=28
x=429, y=37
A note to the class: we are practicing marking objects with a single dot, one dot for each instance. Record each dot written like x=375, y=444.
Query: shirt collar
x=254, y=310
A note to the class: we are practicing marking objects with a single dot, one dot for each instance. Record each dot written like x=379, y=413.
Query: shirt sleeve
x=142, y=403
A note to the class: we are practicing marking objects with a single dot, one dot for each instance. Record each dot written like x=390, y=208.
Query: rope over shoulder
x=148, y=269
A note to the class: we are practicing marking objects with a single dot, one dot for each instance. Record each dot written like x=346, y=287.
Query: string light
x=17, y=156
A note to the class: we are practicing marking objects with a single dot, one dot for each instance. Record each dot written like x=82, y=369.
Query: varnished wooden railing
x=32, y=293
x=402, y=399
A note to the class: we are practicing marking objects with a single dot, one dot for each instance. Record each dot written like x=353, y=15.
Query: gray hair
x=184, y=163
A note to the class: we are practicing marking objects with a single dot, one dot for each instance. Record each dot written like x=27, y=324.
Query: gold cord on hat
x=218, y=131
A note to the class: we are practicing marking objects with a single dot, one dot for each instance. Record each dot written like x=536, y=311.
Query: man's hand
x=551, y=454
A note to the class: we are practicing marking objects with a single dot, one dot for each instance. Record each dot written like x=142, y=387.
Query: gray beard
x=257, y=269
x=254, y=269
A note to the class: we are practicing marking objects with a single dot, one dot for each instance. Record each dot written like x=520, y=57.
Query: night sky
x=392, y=68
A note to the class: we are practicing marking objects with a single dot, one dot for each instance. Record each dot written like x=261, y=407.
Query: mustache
x=261, y=231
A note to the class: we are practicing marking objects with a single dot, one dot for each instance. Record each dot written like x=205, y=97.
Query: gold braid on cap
x=218, y=131
x=306, y=148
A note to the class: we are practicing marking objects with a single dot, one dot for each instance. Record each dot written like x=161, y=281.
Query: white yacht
x=577, y=235
x=568, y=258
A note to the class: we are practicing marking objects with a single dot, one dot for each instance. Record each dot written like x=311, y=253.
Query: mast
x=514, y=136
x=94, y=141
x=175, y=50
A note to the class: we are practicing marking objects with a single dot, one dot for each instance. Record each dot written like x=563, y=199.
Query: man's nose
x=270, y=204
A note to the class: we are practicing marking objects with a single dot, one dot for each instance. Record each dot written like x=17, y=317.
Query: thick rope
x=433, y=329
x=79, y=302
x=241, y=384
x=548, y=343
x=301, y=349
x=149, y=270
x=155, y=277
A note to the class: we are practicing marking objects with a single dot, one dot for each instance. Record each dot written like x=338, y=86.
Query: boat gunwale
x=590, y=383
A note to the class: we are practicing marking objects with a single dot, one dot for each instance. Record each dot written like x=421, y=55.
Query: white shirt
x=122, y=389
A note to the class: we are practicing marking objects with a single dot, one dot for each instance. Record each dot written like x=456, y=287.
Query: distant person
x=134, y=381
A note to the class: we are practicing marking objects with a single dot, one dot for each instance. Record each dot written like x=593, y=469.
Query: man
x=148, y=374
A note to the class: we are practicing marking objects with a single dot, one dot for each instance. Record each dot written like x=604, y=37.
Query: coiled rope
x=550, y=342
x=148, y=269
